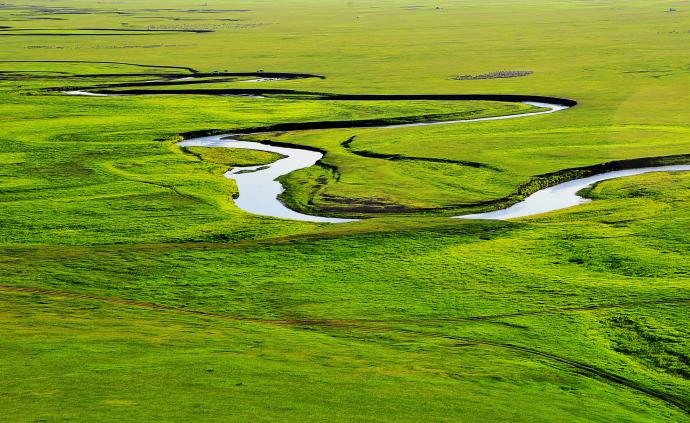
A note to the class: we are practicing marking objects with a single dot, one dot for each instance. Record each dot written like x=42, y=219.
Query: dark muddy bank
x=312, y=95
x=272, y=202
x=546, y=180
x=399, y=157
x=178, y=79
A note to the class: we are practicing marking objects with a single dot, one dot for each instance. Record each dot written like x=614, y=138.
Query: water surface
x=564, y=195
x=258, y=186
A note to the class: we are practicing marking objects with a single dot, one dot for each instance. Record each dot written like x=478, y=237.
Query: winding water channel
x=257, y=185
x=259, y=188
x=564, y=195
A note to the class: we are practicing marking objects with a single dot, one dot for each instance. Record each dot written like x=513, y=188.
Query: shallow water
x=257, y=185
x=263, y=80
x=89, y=94
x=94, y=94
x=259, y=189
x=564, y=195
x=551, y=108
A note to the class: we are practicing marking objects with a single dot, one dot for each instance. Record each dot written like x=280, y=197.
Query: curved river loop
x=259, y=188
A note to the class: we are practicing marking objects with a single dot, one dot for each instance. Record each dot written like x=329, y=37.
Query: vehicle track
x=339, y=322
x=364, y=325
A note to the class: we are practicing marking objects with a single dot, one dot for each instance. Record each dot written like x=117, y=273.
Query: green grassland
x=133, y=289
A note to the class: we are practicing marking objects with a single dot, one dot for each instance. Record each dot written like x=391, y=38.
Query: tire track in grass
x=581, y=368
x=335, y=322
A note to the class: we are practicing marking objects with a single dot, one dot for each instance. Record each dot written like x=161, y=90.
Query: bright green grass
x=142, y=364
x=387, y=319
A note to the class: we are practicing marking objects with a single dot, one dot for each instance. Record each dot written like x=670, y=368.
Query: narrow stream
x=259, y=189
x=564, y=195
x=258, y=186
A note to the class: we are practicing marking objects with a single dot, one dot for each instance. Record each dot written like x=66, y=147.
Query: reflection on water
x=563, y=195
x=257, y=185
x=259, y=189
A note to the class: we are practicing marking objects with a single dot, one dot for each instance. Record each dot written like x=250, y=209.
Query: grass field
x=133, y=289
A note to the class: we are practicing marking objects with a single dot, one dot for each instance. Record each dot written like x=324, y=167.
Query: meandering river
x=259, y=188
x=564, y=195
